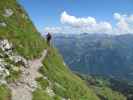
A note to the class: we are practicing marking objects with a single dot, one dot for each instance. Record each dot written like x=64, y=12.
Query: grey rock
x=8, y=13
x=5, y=45
x=3, y=71
x=18, y=60
x=3, y=24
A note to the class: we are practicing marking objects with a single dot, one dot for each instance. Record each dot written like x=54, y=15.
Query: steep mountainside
x=98, y=54
x=16, y=26
x=103, y=85
x=29, y=69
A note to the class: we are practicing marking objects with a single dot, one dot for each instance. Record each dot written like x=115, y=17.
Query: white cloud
x=124, y=23
x=73, y=24
x=89, y=24
x=77, y=22
x=117, y=16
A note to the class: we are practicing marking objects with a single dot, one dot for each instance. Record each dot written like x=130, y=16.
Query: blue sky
x=47, y=13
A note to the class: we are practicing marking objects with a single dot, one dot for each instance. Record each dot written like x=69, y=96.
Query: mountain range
x=98, y=54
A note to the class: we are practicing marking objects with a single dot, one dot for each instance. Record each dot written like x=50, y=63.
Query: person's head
x=49, y=33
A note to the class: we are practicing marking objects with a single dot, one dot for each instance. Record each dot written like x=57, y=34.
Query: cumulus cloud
x=73, y=24
x=77, y=22
x=89, y=24
x=124, y=23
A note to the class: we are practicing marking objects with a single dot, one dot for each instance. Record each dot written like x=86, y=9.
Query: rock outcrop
x=3, y=24
x=8, y=13
x=9, y=60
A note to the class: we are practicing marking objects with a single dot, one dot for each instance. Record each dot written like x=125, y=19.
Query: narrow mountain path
x=23, y=88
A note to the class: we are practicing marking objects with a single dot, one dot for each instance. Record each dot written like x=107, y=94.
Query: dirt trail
x=23, y=88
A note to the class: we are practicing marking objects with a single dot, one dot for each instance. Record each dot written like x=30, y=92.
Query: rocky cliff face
x=29, y=69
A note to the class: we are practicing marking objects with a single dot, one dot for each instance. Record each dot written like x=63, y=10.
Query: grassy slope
x=20, y=30
x=72, y=86
x=102, y=88
x=39, y=94
x=108, y=94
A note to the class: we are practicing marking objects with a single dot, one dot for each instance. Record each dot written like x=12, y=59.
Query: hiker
x=48, y=37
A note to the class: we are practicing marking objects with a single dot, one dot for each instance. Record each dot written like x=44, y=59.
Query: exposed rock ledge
x=8, y=60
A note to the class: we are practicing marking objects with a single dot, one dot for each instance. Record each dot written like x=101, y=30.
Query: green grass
x=56, y=97
x=60, y=90
x=4, y=93
x=73, y=87
x=40, y=94
x=14, y=75
x=43, y=82
x=101, y=87
x=108, y=94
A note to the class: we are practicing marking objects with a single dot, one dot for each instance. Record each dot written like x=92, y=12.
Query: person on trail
x=48, y=37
